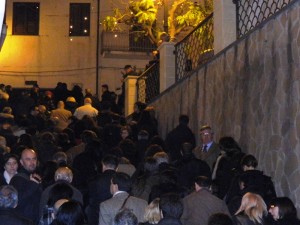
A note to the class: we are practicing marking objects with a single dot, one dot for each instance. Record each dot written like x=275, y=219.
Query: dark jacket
x=99, y=191
x=189, y=168
x=8, y=216
x=29, y=194
x=254, y=181
x=169, y=221
x=182, y=133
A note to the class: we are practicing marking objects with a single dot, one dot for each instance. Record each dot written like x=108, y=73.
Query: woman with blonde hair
x=152, y=213
x=252, y=210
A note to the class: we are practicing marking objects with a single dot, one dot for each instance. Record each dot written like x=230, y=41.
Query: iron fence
x=195, y=49
x=125, y=41
x=148, y=84
x=251, y=13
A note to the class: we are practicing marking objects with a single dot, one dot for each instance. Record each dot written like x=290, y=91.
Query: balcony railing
x=250, y=13
x=125, y=41
x=148, y=84
x=195, y=49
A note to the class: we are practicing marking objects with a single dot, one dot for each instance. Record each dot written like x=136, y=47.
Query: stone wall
x=250, y=91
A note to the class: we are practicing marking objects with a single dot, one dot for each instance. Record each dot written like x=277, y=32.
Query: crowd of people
x=73, y=159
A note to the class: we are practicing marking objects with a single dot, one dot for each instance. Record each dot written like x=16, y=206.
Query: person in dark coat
x=8, y=201
x=189, y=167
x=87, y=164
x=99, y=188
x=283, y=212
x=250, y=180
x=172, y=208
x=28, y=184
x=176, y=137
x=227, y=165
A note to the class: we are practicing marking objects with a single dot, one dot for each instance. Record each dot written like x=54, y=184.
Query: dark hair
x=125, y=217
x=127, y=67
x=286, y=207
x=8, y=156
x=184, y=119
x=228, y=144
x=110, y=161
x=59, y=191
x=171, y=205
x=70, y=213
x=203, y=181
x=220, y=219
x=249, y=160
x=122, y=180
x=187, y=148
x=150, y=165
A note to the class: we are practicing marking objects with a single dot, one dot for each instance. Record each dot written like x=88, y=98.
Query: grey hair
x=8, y=196
x=125, y=217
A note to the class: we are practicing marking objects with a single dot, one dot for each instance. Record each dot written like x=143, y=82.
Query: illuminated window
x=26, y=16
x=79, y=19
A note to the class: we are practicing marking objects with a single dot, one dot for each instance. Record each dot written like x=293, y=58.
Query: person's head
x=253, y=206
x=10, y=164
x=150, y=165
x=152, y=212
x=187, y=149
x=71, y=99
x=87, y=101
x=228, y=144
x=206, y=134
x=120, y=182
x=143, y=135
x=202, y=182
x=249, y=162
x=171, y=205
x=184, y=119
x=110, y=162
x=59, y=191
x=125, y=132
x=128, y=68
x=220, y=219
x=104, y=87
x=125, y=217
x=88, y=136
x=58, y=204
x=42, y=108
x=63, y=173
x=282, y=208
x=161, y=157
x=60, y=158
x=60, y=105
x=29, y=160
x=70, y=213
x=139, y=107
x=8, y=197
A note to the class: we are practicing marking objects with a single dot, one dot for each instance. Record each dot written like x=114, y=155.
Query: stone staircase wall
x=250, y=91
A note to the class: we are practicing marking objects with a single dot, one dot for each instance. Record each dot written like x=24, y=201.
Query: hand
x=36, y=178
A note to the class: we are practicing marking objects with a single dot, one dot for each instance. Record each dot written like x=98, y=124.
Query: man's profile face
x=206, y=136
x=29, y=160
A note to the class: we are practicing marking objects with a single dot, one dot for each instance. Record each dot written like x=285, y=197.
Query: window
x=79, y=19
x=26, y=18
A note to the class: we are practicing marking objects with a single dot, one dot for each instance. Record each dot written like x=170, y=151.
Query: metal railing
x=250, y=13
x=125, y=41
x=148, y=84
x=195, y=49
